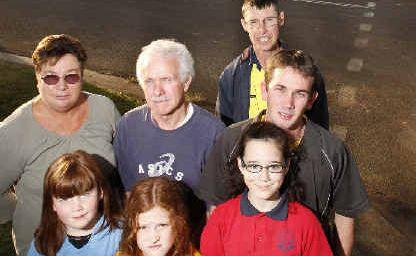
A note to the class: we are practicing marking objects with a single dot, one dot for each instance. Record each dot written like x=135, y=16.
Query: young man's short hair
x=295, y=59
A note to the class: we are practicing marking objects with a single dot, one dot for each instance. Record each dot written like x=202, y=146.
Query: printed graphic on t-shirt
x=286, y=241
x=162, y=167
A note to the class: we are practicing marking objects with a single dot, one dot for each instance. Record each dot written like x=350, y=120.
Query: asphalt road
x=366, y=51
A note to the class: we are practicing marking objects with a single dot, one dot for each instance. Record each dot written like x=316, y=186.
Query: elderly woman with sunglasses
x=61, y=119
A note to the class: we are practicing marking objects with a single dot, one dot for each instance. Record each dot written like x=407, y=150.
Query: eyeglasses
x=274, y=167
x=268, y=22
x=54, y=79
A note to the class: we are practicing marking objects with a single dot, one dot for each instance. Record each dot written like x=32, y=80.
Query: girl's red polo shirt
x=237, y=228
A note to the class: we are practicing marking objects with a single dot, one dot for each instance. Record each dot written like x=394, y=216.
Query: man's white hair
x=167, y=48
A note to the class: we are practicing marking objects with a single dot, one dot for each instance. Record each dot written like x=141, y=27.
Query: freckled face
x=155, y=236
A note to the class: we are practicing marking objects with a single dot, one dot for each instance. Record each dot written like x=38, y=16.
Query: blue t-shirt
x=103, y=243
x=144, y=150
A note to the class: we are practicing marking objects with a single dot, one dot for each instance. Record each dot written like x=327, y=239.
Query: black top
x=79, y=241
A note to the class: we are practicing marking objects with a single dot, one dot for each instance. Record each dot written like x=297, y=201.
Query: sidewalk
x=113, y=83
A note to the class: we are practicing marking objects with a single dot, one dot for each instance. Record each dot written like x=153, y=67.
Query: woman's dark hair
x=53, y=47
x=70, y=175
x=268, y=132
x=157, y=192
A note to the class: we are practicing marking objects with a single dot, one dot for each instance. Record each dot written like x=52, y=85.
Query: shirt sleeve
x=11, y=157
x=211, y=240
x=350, y=197
x=224, y=104
x=116, y=117
x=119, y=151
x=218, y=128
x=211, y=187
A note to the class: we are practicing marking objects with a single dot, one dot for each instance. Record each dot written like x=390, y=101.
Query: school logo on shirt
x=162, y=167
x=286, y=241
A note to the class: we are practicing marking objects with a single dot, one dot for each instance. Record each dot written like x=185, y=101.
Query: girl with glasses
x=264, y=217
x=79, y=215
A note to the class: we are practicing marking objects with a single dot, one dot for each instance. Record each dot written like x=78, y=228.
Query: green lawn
x=17, y=85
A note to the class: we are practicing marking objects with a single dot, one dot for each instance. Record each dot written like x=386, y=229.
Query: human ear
x=287, y=167
x=243, y=24
x=53, y=205
x=187, y=84
x=281, y=18
x=101, y=194
x=38, y=79
x=311, y=100
x=239, y=163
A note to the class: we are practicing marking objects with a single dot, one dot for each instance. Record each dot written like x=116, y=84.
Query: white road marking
x=366, y=27
x=370, y=5
x=355, y=64
x=369, y=14
x=360, y=42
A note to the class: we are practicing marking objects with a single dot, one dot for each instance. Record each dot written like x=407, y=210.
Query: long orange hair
x=167, y=194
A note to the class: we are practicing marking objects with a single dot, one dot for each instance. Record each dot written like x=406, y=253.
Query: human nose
x=262, y=26
x=264, y=173
x=155, y=236
x=157, y=88
x=61, y=85
x=289, y=100
x=76, y=203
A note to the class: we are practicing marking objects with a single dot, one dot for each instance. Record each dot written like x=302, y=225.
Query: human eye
x=148, y=82
x=254, y=167
x=271, y=21
x=302, y=94
x=278, y=88
x=85, y=195
x=166, y=80
x=253, y=23
x=162, y=225
x=276, y=167
x=142, y=227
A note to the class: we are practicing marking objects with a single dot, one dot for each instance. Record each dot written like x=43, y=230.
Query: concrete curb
x=113, y=83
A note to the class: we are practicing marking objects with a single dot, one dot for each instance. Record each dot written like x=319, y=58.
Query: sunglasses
x=54, y=79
